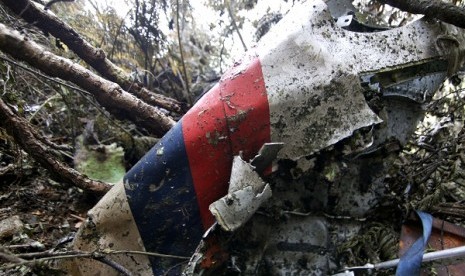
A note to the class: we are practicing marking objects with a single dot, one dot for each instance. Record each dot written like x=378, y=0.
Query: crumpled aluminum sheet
x=313, y=75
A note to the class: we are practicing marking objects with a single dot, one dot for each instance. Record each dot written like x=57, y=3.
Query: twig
x=121, y=269
x=68, y=254
x=7, y=78
x=77, y=217
x=98, y=256
x=35, y=72
x=53, y=97
x=113, y=45
x=443, y=11
x=233, y=21
x=184, y=71
x=7, y=169
x=221, y=56
x=34, y=245
x=10, y=257
x=45, y=255
x=153, y=254
x=101, y=256
x=50, y=3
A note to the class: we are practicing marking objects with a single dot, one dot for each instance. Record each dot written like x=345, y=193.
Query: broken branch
x=184, y=71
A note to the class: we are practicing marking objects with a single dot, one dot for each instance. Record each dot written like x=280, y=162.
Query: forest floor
x=38, y=215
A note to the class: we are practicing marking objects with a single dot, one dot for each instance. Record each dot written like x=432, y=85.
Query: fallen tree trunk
x=31, y=142
x=95, y=57
x=110, y=95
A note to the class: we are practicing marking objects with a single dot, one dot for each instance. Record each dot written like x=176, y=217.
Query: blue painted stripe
x=163, y=202
x=410, y=262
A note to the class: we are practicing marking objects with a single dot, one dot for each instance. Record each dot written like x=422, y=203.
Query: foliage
x=145, y=17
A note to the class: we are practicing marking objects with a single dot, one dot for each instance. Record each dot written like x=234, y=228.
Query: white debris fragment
x=246, y=193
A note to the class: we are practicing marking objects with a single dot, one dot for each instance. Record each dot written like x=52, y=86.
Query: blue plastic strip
x=163, y=202
x=410, y=262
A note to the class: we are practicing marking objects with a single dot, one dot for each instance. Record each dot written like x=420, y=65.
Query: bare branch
x=445, y=12
x=186, y=79
x=93, y=56
x=50, y=3
x=108, y=94
x=116, y=266
x=233, y=21
x=47, y=254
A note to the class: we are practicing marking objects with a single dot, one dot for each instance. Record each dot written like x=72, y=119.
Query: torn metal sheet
x=266, y=155
x=313, y=79
x=417, y=82
x=246, y=194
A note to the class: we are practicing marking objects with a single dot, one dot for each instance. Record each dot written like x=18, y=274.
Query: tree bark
x=95, y=57
x=25, y=135
x=445, y=12
x=110, y=95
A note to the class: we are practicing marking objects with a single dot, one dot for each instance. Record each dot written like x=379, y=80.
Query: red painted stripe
x=246, y=107
x=208, y=149
x=232, y=117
